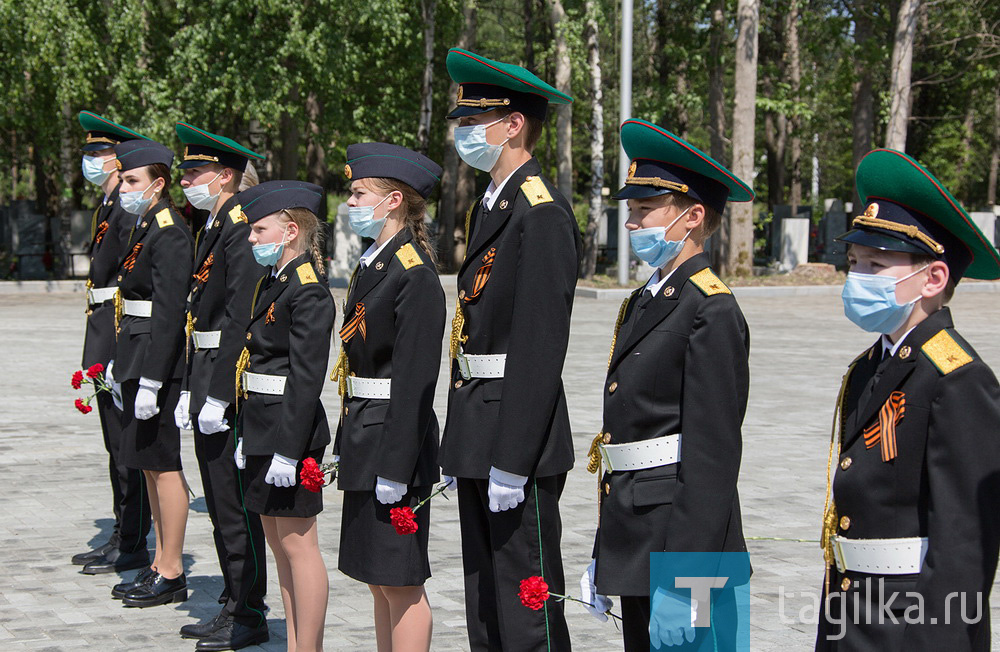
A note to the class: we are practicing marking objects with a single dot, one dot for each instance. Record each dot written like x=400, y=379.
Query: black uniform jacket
x=109, y=229
x=156, y=266
x=403, y=303
x=518, y=423
x=225, y=275
x=943, y=484
x=681, y=368
x=289, y=335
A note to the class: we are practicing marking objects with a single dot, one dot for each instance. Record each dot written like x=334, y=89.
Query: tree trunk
x=863, y=109
x=716, y=82
x=902, y=65
x=564, y=112
x=596, y=212
x=793, y=65
x=738, y=244
x=427, y=10
x=991, y=188
x=289, y=129
x=529, y=34
x=775, y=133
x=316, y=171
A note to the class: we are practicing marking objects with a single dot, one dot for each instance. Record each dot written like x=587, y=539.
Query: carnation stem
x=440, y=490
x=583, y=602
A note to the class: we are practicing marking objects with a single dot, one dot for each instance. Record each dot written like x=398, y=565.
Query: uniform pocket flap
x=492, y=390
x=139, y=326
x=374, y=414
x=654, y=491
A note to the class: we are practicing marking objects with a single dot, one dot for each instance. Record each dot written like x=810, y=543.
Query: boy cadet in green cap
x=221, y=293
x=507, y=437
x=109, y=231
x=911, y=529
x=675, y=393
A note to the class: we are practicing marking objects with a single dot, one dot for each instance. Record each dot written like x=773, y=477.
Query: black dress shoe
x=116, y=561
x=118, y=591
x=156, y=591
x=224, y=596
x=85, y=558
x=233, y=636
x=201, y=630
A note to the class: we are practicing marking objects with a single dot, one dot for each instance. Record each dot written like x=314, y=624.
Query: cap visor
x=878, y=241
x=462, y=111
x=639, y=192
x=96, y=147
x=184, y=165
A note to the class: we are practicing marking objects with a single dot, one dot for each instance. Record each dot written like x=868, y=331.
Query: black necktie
x=869, y=387
x=638, y=311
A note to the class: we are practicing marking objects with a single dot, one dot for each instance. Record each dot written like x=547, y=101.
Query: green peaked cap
x=203, y=147
x=469, y=67
x=103, y=133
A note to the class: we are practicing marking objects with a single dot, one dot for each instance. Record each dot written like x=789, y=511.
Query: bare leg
x=300, y=542
x=154, y=508
x=383, y=620
x=172, y=500
x=411, y=618
x=284, y=575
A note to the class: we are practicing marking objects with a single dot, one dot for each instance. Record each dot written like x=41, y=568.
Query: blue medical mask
x=201, y=197
x=269, y=254
x=93, y=170
x=470, y=142
x=134, y=202
x=362, y=220
x=650, y=246
x=870, y=301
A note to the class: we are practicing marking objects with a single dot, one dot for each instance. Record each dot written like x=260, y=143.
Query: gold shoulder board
x=236, y=215
x=164, y=219
x=408, y=256
x=946, y=354
x=536, y=192
x=306, y=273
x=709, y=283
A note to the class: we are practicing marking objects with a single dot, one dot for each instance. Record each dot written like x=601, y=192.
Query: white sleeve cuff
x=216, y=403
x=285, y=460
x=154, y=385
x=507, y=478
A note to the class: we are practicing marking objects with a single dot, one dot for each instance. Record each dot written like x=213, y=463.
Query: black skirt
x=268, y=500
x=155, y=443
x=370, y=549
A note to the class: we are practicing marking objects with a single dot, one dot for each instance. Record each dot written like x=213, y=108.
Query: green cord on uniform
x=253, y=548
x=541, y=564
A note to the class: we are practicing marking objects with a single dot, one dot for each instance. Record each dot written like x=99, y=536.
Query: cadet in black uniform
x=675, y=392
x=507, y=436
x=221, y=291
x=153, y=281
x=110, y=226
x=281, y=374
x=912, y=529
x=387, y=441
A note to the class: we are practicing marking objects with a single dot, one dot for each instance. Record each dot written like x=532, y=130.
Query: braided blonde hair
x=415, y=208
x=310, y=231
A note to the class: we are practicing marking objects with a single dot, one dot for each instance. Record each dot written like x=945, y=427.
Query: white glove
x=450, y=482
x=212, y=419
x=506, y=490
x=238, y=456
x=182, y=413
x=588, y=593
x=145, y=399
x=388, y=492
x=116, y=388
x=671, y=619
x=282, y=471
x=336, y=459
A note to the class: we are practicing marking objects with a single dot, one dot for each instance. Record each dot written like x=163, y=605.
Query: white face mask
x=201, y=197
x=93, y=170
x=472, y=147
x=134, y=202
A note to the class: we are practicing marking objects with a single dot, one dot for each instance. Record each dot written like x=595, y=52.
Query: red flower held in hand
x=311, y=476
x=77, y=380
x=82, y=407
x=534, y=592
x=403, y=519
x=95, y=371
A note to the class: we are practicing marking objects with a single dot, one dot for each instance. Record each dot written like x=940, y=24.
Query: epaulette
x=946, y=354
x=236, y=214
x=408, y=256
x=536, y=192
x=709, y=283
x=164, y=218
x=306, y=273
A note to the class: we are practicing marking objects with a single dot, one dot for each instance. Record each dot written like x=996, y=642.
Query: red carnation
x=312, y=477
x=82, y=407
x=95, y=371
x=534, y=592
x=403, y=519
x=77, y=379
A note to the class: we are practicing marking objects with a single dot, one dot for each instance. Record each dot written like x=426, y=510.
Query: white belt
x=368, y=387
x=100, y=295
x=136, y=308
x=880, y=556
x=647, y=454
x=263, y=383
x=481, y=366
x=206, y=339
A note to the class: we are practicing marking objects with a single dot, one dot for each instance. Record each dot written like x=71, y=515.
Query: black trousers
x=498, y=551
x=239, y=537
x=130, y=501
x=635, y=625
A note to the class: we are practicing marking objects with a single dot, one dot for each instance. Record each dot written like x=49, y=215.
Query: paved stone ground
x=55, y=499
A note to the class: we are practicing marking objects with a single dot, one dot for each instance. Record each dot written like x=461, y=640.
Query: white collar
x=275, y=272
x=493, y=190
x=655, y=282
x=887, y=344
x=373, y=251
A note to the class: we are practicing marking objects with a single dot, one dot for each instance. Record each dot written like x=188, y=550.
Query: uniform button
x=461, y=294
x=607, y=438
x=612, y=387
x=119, y=279
x=845, y=523
x=195, y=289
x=607, y=488
x=845, y=463
x=458, y=383
x=346, y=409
x=248, y=337
x=845, y=584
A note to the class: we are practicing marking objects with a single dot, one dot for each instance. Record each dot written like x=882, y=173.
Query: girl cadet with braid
x=149, y=359
x=280, y=375
x=387, y=440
